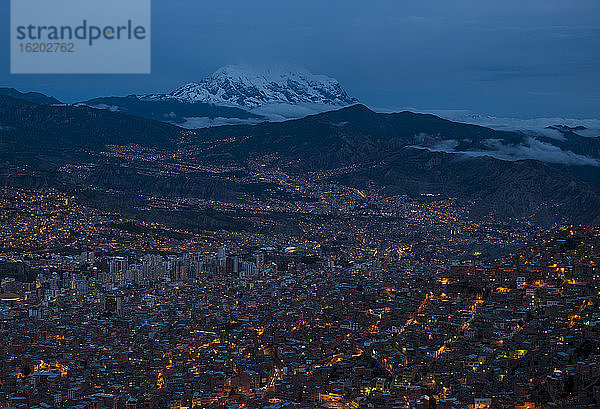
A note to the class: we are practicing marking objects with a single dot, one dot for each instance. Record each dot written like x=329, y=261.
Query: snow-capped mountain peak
x=251, y=87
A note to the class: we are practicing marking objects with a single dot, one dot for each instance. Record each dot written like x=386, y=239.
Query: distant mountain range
x=242, y=94
x=502, y=173
x=237, y=94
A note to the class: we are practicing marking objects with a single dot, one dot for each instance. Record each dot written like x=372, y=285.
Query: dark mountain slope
x=36, y=97
x=28, y=129
x=350, y=135
x=543, y=193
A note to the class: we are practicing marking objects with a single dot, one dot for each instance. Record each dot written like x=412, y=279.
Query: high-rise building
x=260, y=260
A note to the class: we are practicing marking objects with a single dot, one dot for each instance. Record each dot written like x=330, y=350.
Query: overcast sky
x=521, y=58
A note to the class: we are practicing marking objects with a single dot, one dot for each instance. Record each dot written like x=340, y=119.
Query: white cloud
x=205, y=122
x=270, y=112
x=284, y=112
x=531, y=149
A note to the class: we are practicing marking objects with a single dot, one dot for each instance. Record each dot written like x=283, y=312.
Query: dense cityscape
x=99, y=311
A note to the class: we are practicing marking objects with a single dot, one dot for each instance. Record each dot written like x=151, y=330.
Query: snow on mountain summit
x=249, y=87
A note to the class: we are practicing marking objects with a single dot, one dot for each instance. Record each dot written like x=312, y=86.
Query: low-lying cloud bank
x=267, y=112
x=530, y=149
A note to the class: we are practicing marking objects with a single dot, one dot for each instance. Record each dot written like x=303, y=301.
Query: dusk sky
x=507, y=58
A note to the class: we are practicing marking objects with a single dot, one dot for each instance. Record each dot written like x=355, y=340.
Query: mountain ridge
x=36, y=97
